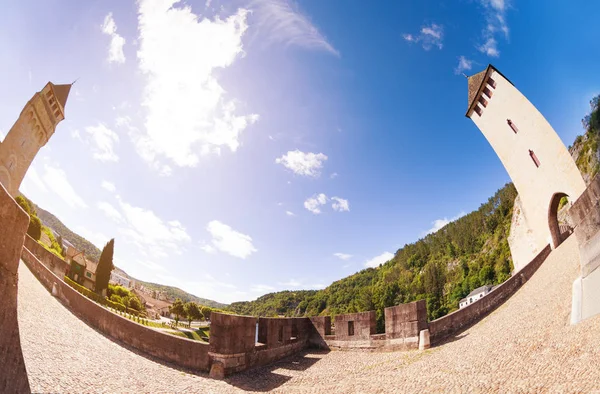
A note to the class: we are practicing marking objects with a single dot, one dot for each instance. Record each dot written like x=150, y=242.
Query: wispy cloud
x=229, y=241
x=378, y=260
x=303, y=163
x=495, y=18
x=429, y=36
x=56, y=180
x=440, y=223
x=339, y=204
x=109, y=186
x=281, y=22
x=187, y=112
x=313, y=203
x=290, y=213
x=464, y=64
x=115, y=48
x=343, y=256
x=103, y=140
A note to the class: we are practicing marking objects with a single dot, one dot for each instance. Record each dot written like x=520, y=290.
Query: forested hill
x=441, y=268
x=93, y=253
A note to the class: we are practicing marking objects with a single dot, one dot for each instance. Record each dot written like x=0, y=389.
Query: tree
x=193, y=312
x=206, y=310
x=105, y=267
x=178, y=309
x=59, y=240
x=35, y=228
x=134, y=303
x=23, y=204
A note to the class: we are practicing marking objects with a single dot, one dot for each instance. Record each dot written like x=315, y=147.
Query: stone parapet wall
x=585, y=215
x=321, y=327
x=406, y=320
x=457, y=321
x=364, y=323
x=13, y=225
x=233, y=346
x=54, y=263
x=179, y=351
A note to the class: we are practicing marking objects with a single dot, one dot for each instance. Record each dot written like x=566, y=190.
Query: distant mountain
x=93, y=253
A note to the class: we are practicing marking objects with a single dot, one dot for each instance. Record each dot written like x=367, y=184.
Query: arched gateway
x=535, y=158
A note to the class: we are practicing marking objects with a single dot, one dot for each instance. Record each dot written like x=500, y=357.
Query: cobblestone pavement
x=526, y=345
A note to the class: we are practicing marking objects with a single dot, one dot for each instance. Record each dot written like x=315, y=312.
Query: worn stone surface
x=13, y=224
x=525, y=346
x=182, y=351
x=231, y=334
x=406, y=320
x=57, y=265
x=364, y=326
x=454, y=322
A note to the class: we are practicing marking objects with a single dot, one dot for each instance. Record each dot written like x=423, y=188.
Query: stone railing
x=54, y=263
x=13, y=224
x=180, y=351
x=455, y=322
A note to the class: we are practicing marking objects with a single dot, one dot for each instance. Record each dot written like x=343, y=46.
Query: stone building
x=32, y=130
x=476, y=294
x=537, y=161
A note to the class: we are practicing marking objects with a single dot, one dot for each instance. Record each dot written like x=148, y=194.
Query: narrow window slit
x=534, y=158
x=512, y=125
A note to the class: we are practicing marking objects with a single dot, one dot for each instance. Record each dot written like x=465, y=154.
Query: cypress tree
x=105, y=266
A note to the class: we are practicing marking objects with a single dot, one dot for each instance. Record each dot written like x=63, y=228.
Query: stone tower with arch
x=535, y=158
x=36, y=124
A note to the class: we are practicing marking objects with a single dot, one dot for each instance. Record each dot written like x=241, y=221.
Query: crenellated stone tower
x=535, y=158
x=33, y=129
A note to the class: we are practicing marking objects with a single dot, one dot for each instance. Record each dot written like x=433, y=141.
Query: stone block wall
x=54, y=263
x=585, y=215
x=179, y=351
x=406, y=320
x=13, y=225
x=277, y=338
x=232, y=334
x=321, y=327
x=455, y=322
x=364, y=324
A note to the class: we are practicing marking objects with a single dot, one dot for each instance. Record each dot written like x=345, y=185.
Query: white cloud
x=187, y=113
x=340, y=204
x=464, y=64
x=208, y=249
x=291, y=283
x=109, y=186
x=103, y=139
x=378, y=260
x=281, y=22
x=262, y=289
x=96, y=238
x=290, y=213
x=56, y=180
x=333, y=175
x=490, y=48
x=110, y=211
x=343, y=256
x=230, y=241
x=439, y=223
x=313, y=203
x=33, y=176
x=495, y=17
x=154, y=237
x=2, y=136
x=303, y=163
x=115, y=49
x=430, y=36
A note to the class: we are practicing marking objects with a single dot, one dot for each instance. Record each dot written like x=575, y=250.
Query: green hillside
x=441, y=268
x=93, y=253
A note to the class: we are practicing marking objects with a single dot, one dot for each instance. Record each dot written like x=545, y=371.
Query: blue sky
x=235, y=148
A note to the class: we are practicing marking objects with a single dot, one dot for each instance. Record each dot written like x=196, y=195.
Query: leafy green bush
x=35, y=228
